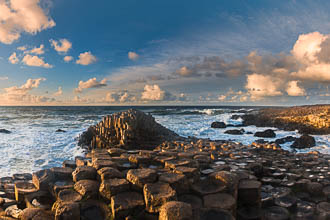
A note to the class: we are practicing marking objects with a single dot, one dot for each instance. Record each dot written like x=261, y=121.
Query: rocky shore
x=137, y=169
x=312, y=119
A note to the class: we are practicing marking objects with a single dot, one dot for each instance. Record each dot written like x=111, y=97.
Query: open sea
x=34, y=144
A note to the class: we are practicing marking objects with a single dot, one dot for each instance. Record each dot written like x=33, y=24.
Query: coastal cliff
x=175, y=179
x=313, y=119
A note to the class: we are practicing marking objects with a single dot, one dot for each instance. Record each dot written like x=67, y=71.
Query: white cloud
x=86, y=58
x=124, y=97
x=293, y=89
x=314, y=72
x=260, y=86
x=222, y=98
x=68, y=58
x=184, y=71
x=59, y=92
x=61, y=46
x=31, y=60
x=21, y=48
x=3, y=78
x=133, y=55
x=36, y=50
x=91, y=83
x=13, y=59
x=17, y=16
x=153, y=92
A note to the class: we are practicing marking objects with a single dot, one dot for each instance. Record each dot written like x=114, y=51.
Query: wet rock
x=220, y=201
x=4, y=131
x=235, y=132
x=157, y=194
x=111, y=187
x=208, y=186
x=269, y=133
x=125, y=204
x=69, y=195
x=87, y=188
x=84, y=173
x=305, y=141
x=249, y=192
x=285, y=140
x=175, y=211
x=42, y=179
x=218, y=124
x=139, y=177
x=286, y=201
x=60, y=131
x=315, y=189
x=69, y=163
x=276, y=213
x=106, y=173
x=22, y=176
x=67, y=211
x=304, y=210
x=323, y=210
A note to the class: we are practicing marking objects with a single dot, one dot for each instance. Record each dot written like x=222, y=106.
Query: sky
x=187, y=52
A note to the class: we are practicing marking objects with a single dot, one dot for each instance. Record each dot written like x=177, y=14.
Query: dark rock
x=156, y=195
x=276, y=213
x=69, y=195
x=235, y=132
x=218, y=124
x=69, y=163
x=22, y=189
x=94, y=210
x=42, y=179
x=249, y=192
x=285, y=140
x=67, y=211
x=220, y=201
x=193, y=200
x=126, y=204
x=176, y=211
x=249, y=213
x=106, y=173
x=4, y=131
x=305, y=141
x=208, y=186
x=36, y=214
x=178, y=182
x=60, y=131
x=269, y=133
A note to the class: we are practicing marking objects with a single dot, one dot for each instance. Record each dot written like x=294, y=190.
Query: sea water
x=34, y=143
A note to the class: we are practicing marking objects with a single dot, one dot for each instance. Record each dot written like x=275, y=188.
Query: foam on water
x=34, y=144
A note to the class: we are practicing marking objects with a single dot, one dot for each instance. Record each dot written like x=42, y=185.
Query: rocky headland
x=313, y=119
x=137, y=169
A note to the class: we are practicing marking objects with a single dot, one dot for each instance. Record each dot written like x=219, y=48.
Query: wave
x=188, y=111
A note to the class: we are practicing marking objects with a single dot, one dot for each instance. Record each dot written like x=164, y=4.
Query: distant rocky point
x=313, y=119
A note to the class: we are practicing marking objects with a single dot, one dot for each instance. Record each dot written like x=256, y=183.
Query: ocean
x=34, y=143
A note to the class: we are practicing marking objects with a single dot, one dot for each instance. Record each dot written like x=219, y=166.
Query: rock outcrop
x=4, y=131
x=127, y=129
x=218, y=124
x=313, y=119
x=305, y=141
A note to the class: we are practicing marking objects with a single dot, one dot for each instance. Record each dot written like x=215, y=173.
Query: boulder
x=139, y=177
x=269, y=133
x=125, y=204
x=157, y=194
x=69, y=195
x=62, y=173
x=249, y=192
x=276, y=213
x=36, y=214
x=305, y=141
x=235, y=132
x=22, y=189
x=285, y=140
x=67, y=211
x=42, y=179
x=208, y=186
x=84, y=173
x=4, y=131
x=220, y=201
x=111, y=187
x=195, y=201
x=176, y=211
x=87, y=188
x=218, y=124
x=60, y=131
x=106, y=173
x=178, y=182
x=95, y=210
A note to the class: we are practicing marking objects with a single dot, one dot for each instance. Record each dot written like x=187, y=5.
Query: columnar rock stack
x=125, y=129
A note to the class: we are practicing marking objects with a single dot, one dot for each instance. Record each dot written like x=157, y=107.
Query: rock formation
x=127, y=129
x=313, y=119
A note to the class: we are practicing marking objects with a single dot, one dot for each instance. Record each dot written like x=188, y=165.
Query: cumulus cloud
x=68, y=58
x=155, y=93
x=36, y=50
x=17, y=16
x=260, y=86
x=133, y=55
x=61, y=46
x=21, y=48
x=86, y=59
x=293, y=89
x=222, y=98
x=59, y=91
x=31, y=60
x=13, y=59
x=91, y=83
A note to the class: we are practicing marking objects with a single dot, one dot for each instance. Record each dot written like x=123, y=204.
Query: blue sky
x=164, y=52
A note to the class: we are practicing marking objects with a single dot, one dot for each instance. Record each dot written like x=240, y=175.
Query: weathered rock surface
x=313, y=119
x=269, y=133
x=305, y=141
x=176, y=211
x=218, y=124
